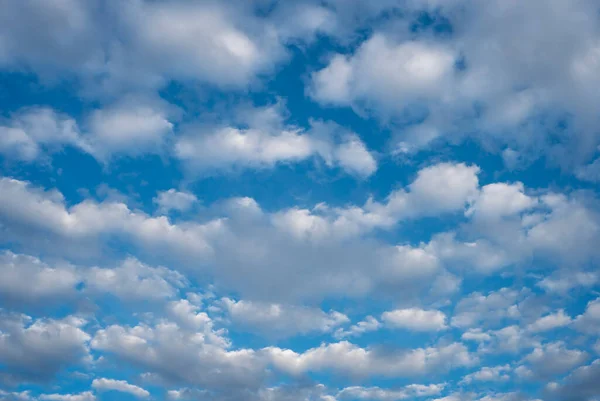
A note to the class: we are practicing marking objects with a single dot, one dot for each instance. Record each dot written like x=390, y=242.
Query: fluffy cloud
x=382, y=72
x=364, y=326
x=39, y=349
x=581, y=384
x=551, y=360
x=415, y=319
x=133, y=280
x=131, y=127
x=240, y=45
x=380, y=394
x=478, y=308
x=263, y=239
x=489, y=374
x=29, y=281
x=346, y=358
x=551, y=321
x=262, y=139
x=32, y=132
x=174, y=200
x=281, y=320
x=589, y=321
x=85, y=396
x=181, y=355
x=104, y=384
x=464, y=89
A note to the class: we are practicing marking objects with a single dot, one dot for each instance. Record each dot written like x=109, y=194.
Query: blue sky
x=299, y=200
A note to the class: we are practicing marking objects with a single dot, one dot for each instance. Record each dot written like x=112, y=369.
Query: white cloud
x=173, y=199
x=364, y=326
x=27, y=280
x=324, y=244
x=262, y=239
x=104, y=384
x=509, y=339
x=281, y=320
x=262, y=139
x=132, y=127
x=553, y=359
x=478, y=308
x=589, y=321
x=382, y=394
x=550, y=322
x=489, y=374
x=444, y=187
x=346, y=358
x=482, y=255
x=568, y=231
x=17, y=396
x=498, y=102
x=32, y=132
x=562, y=284
x=415, y=319
x=352, y=156
x=382, y=73
x=176, y=353
x=582, y=383
x=589, y=172
x=39, y=211
x=240, y=45
x=40, y=349
x=133, y=280
x=85, y=396
x=230, y=146
x=500, y=200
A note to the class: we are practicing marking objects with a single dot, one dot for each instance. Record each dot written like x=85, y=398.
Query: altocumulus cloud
x=317, y=200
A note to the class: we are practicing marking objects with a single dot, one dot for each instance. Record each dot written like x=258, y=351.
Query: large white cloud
x=510, y=94
x=35, y=350
x=346, y=358
x=260, y=138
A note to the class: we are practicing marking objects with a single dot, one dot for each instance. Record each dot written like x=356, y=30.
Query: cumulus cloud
x=31, y=133
x=457, y=84
x=478, y=308
x=85, y=396
x=415, y=319
x=37, y=350
x=263, y=239
x=240, y=45
x=381, y=394
x=551, y=321
x=589, y=321
x=262, y=139
x=346, y=358
x=364, y=326
x=133, y=280
x=27, y=280
x=382, y=72
x=551, y=360
x=281, y=320
x=122, y=386
x=132, y=127
x=581, y=384
x=173, y=199
x=489, y=374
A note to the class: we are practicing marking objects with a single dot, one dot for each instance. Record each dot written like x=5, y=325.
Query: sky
x=300, y=200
